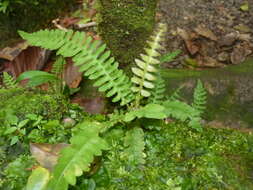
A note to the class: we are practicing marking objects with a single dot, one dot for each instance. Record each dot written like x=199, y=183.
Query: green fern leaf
x=37, y=77
x=169, y=56
x=92, y=58
x=58, y=66
x=134, y=141
x=76, y=158
x=9, y=81
x=176, y=94
x=145, y=73
x=183, y=112
x=199, y=97
x=157, y=94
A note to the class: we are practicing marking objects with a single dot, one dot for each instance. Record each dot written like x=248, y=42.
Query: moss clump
x=125, y=26
x=21, y=102
x=180, y=158
x=28, y=15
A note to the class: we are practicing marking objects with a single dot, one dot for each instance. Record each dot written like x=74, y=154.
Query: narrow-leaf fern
x=92, y=58
x=157, y=94
x=134, y=141
x=144, y=74
x=9, y=81
x=199, y=97
x=76, y=159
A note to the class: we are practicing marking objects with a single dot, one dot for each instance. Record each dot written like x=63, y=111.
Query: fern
x=134, y=141
x=157, y=94
x=92, y=58
x=169, y=56
x=76, y=159
x=58, y=66
x=183, y=112
x=144, y=74
x=9, y=81
x=176, y=94
x=199, y=97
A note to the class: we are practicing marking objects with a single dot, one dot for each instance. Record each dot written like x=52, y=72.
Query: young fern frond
x=199, y=97
x=9, y=81
x=134, y=141
x=175, y=95
x=144, y=74
x=58, y=66
x=157, y=94
x=76, y=158
x=92, y=58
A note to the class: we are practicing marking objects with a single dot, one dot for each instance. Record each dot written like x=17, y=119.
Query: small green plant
x=140, y=98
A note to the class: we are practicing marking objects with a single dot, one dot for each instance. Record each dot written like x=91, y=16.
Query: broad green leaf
x=76, y=159
x=37, y=77
x=10, y=130
x=38, y=179
x=14, y=140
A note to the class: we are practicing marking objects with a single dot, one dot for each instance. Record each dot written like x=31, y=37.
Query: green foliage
x=157, y=94
x=180, y=158
x=134, y=141
x=76, y=159
x=22, y=102
x=38, y=179
x=199, y=97
x=90, y=56
x=37, y=78
x=9, y=81
x=168, y=57
x=15, y=174
x=144, y=73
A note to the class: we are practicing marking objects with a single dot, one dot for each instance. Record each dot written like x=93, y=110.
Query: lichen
x=125, y=26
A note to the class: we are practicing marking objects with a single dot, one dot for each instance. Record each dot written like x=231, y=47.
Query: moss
x=21, y=102
x=29, y=16
x=125, y=26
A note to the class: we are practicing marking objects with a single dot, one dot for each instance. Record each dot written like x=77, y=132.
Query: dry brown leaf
x=46, y=154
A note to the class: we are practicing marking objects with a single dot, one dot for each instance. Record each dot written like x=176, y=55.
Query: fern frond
x=176, y=94
x=157, y=94
x=144, y=74
x=9, y=81
x=134, y=141
x=183, y=112
x=199, y=97
x=76, y=158
x=168, y=57
x=92, y=58
x=58, y=66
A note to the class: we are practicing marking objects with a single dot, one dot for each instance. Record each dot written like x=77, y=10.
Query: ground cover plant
x=136, y=146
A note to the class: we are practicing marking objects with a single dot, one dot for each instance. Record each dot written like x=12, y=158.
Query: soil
x=211, y=33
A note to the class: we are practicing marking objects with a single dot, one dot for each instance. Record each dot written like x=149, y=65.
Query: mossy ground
x=21, y=102
x=125, y=26
x=180, y=158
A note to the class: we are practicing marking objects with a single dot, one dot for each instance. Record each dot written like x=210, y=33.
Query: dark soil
x=211, y=33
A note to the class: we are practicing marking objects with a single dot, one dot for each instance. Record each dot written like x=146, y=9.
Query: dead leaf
x=46, y=154
x=205, y=32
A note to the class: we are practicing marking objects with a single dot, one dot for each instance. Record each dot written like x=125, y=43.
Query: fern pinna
x=92, y=58
x=147, y=66
x=76, y=158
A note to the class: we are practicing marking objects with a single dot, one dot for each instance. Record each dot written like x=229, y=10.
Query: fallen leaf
x=46, y=154
x=205, y=32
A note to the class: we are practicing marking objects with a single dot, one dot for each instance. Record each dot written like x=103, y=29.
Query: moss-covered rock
x=125, y=25
x=21, y=102
x=230, y=92
x=28, y=15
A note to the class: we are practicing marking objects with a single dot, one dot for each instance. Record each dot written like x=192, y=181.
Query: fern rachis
x=92, y=58
x=147, y=66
